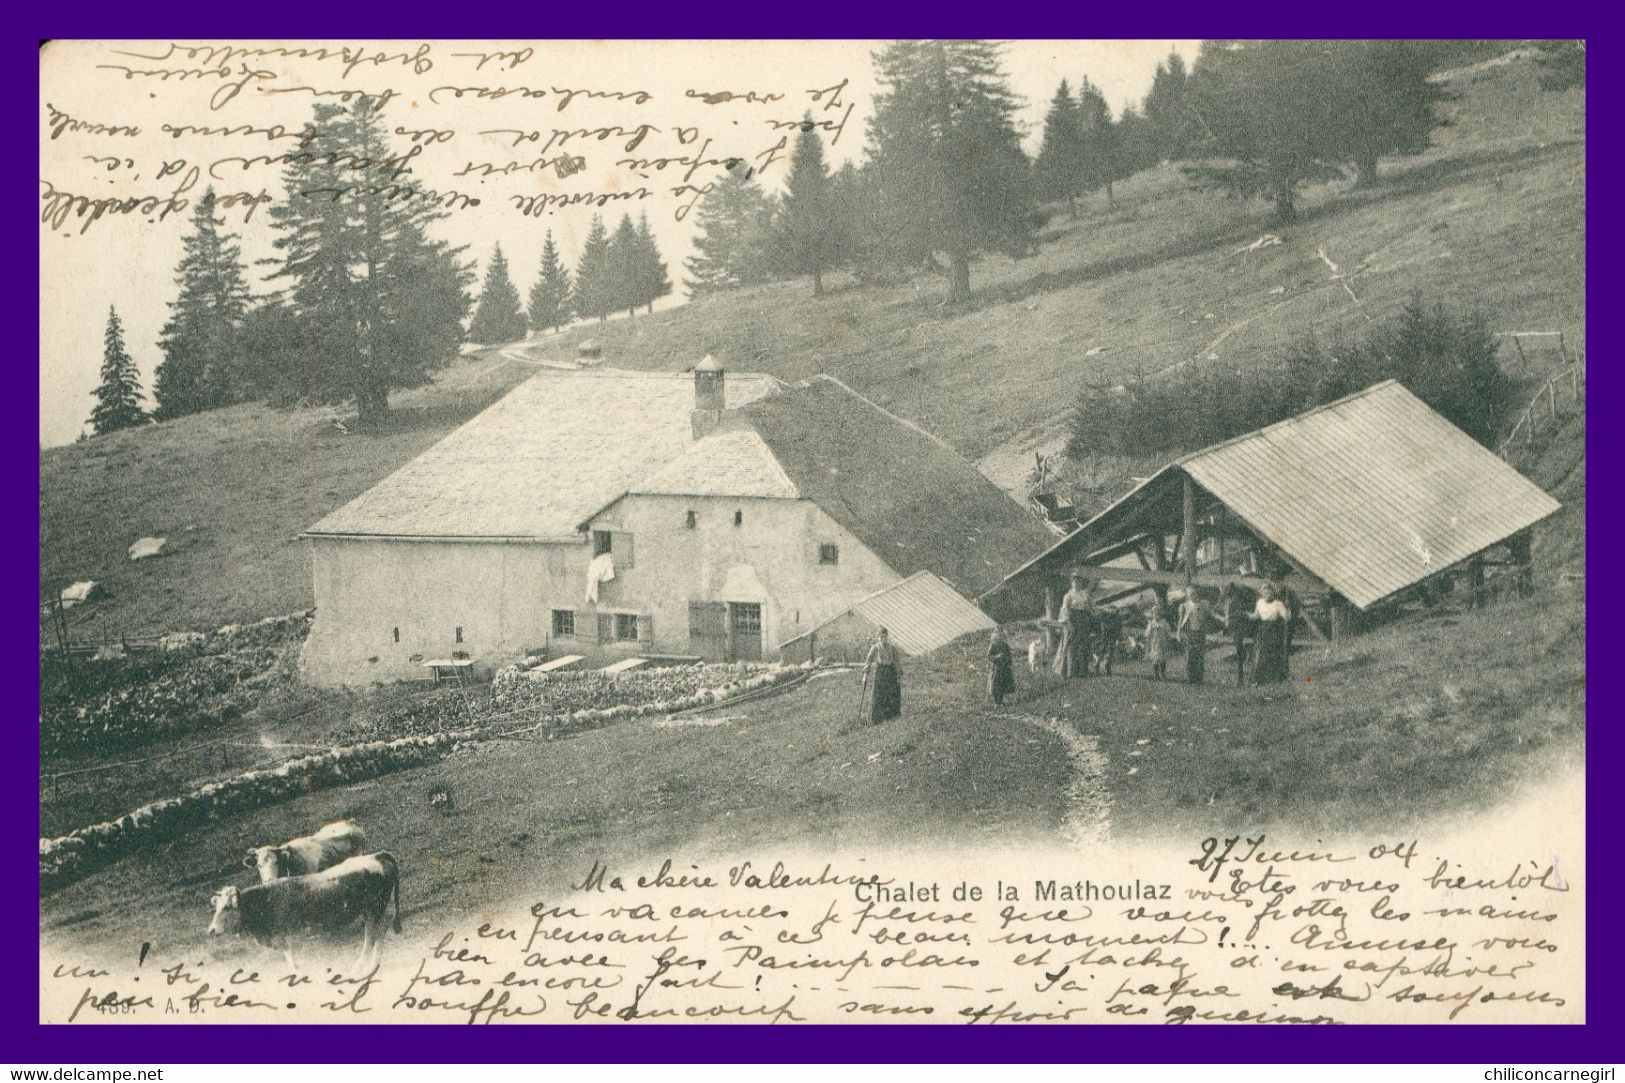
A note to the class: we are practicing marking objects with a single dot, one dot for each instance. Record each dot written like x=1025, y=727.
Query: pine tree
x=807, y=234
x=653, y=281
x=204, y=363
x=1271, y=116
x=1173, y=131
x=733, y=243
x=497, y=317
x=595, y=275
x=949, y=169
x=1098, y=138
x=1060, y=162
x=118, y=399
x=626, y=267
x=550, y=296
x=382, y=305
x=1387, y=101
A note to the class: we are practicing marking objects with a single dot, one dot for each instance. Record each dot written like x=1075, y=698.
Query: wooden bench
x=449, y=669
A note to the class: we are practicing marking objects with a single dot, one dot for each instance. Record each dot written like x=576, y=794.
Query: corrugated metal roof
x=920, y=614
x=1371, y=493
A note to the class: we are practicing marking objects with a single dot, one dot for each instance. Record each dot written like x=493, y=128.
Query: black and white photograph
x=899, y=532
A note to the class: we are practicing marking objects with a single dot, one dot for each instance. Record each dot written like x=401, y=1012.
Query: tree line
x=364, y=300
x=943, y=178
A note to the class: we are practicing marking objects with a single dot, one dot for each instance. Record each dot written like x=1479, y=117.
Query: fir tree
x=1060, y=162
x=733, y=243
x=1270, y=116
x=626, y=267
x=948, y=164
x=1098, y=138
x=498, y=318
x=653, y=281
x=595, y=275
x=204, y=364
x=382, y=305
x=550, y=296
x=1173, y=130
x=808, y=236
x=118, y=399
x=1387, y=101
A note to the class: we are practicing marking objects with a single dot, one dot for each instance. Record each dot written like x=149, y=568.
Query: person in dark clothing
x=1192, y=629
x=885, y=684
x=1001, y=677
x=1238, y=620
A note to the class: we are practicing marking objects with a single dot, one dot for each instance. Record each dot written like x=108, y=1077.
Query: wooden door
x=744, y=632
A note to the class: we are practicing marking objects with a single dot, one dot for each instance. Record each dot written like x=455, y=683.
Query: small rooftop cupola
x=708, y=396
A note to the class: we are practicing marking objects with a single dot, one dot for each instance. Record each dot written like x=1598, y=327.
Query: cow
x=311, y=853
x=277, y=912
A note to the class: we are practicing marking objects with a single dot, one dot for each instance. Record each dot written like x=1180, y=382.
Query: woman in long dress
x=1271, y=617
x=1001, y=676
x=1078, y=611
x=885, y=683
x=1157, y=634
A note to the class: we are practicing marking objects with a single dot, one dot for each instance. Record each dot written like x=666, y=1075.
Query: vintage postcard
x=805, y=532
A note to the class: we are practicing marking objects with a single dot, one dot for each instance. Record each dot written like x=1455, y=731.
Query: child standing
x=1157, y=634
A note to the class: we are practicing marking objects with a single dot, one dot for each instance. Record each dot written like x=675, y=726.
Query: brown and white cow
x=334, y=843
x=280, y=911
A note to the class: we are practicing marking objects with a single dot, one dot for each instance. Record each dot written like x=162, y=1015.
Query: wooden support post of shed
x=1338, y=612
x=1189, y=533
x=1159, y=562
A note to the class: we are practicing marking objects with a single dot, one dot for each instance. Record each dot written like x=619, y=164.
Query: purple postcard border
x=23, y=1041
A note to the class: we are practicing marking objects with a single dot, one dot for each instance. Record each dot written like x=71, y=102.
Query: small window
x=829, y=554
x=691, y=520
x=397, y=635
x=459, y=633
x=626, y=626
x=564, y=622
x=602, y=542
x=739, y=518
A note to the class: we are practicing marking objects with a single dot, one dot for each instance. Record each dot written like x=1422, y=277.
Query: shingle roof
x=730, y=462
x=902, y=492
x=534, y=464
x=920, y=614
x=1371, y=493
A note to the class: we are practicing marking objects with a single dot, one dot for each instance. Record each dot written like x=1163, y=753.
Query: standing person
x=1269, y=650
x=1294, y=609
x=1157, y=634
x=1238, y=620
x=885, y=684
x=1001, y=677
x=1193, y=630
x=1077, y=610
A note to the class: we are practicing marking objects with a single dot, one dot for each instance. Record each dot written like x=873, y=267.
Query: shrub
x=1446, y=359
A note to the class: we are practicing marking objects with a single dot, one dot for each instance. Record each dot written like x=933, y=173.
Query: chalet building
x=613, y=513
x=1352, y=505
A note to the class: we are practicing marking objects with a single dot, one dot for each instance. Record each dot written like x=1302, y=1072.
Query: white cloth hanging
x=601, y=570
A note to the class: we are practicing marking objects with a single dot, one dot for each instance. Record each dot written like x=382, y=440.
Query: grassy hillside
x=1491, y=217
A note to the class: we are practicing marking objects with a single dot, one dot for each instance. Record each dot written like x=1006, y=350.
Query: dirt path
x=1086, y=820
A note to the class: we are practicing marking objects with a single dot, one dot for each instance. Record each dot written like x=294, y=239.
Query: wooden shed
x=1351, y=505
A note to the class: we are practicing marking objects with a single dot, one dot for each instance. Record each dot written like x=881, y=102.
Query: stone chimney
x=708, y=396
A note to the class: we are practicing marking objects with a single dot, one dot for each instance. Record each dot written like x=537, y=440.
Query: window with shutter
x=623, y=549
x=606, y=627
x=626, y=627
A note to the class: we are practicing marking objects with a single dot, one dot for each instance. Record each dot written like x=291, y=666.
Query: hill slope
x=1493, y=216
